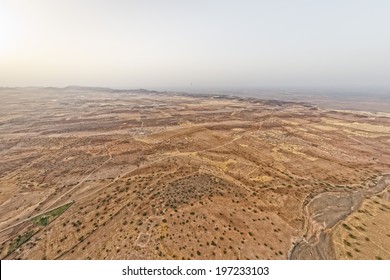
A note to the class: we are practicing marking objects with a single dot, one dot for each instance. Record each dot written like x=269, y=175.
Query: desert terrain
x=93, y=173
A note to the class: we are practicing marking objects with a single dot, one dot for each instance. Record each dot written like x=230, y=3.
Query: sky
x=201, y=44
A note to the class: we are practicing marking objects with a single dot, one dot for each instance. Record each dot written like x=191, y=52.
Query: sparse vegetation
x=181, y=176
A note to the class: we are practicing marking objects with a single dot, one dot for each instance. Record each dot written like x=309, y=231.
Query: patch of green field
x=20, y=240
x=41, y=221
x=46, y=218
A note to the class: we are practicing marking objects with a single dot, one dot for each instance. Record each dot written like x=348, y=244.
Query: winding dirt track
x=322, y=214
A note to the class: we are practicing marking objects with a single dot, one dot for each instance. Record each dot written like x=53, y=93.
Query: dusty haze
x=167, y=44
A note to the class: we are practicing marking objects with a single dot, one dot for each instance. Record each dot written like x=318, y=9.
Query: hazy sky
x=167, y=43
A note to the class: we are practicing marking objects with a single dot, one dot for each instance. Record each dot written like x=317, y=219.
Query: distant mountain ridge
x=85, y=89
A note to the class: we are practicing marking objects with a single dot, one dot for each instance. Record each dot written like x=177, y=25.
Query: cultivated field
x=102, y=174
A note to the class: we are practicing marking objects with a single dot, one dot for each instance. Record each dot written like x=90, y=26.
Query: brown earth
x=366, y=233
x=147, y=175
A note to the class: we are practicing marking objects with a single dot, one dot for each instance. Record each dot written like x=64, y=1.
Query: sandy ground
x=153, y=175
x=331, y=209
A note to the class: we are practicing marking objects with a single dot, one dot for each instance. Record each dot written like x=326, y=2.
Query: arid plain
x=105, y=174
